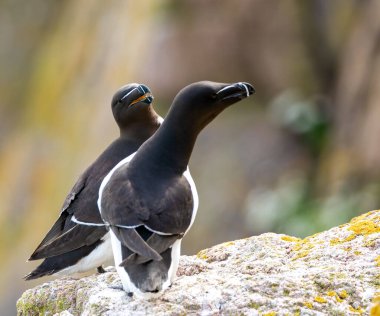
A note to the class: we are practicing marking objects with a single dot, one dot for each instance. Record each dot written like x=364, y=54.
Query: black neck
x=168, y=150
x=140, y=131
x=141, y=127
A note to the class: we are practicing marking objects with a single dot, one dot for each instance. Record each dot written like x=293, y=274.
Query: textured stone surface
x=336, y=272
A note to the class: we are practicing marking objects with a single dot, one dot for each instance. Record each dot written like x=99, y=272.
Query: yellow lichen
x=349, y=238
x=320, y=299
x=357, y=252
x=334, y=294
x=335, y=241
x=312, y=236
x=377, y=260
x=369, y=243
x=375, y=308
x=343, y=294
x=227, y=244
x=308, y=305
x=367, y=215
x=298, y=246
x=290, y=238
x=270, y=314
x=364, y=227
x=301, y=254
x=302, y=247
x=202, y=255
x=355, y=310
x=361, y=225
x=338, y=297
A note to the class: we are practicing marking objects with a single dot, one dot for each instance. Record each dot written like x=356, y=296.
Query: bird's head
x=202, y=101
x=131, y=103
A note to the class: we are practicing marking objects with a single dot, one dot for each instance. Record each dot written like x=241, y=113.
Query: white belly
x=101, y=255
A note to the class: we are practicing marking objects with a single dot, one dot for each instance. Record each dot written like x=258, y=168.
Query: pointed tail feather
x=133, y=241
x=57, y=263
x=75, y=238
x=55, y=231
x=159, y=243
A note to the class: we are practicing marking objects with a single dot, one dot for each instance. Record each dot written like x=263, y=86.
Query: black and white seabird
x=149, y=200
x=79, y=241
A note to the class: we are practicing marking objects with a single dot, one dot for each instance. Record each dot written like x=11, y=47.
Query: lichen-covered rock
x=336, y=272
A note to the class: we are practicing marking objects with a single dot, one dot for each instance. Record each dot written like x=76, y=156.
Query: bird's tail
x=58, y=263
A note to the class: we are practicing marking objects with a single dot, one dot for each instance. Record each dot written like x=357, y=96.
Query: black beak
x=147, y=97
x=236, y=91
x=139, y=94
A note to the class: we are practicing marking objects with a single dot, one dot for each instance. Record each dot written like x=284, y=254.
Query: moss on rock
x=335, y=272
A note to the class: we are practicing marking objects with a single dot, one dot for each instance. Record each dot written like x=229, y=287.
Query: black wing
x=81, y=202
x=63, y=223
x=55, y=264
x=71, y=239
x=163, y=207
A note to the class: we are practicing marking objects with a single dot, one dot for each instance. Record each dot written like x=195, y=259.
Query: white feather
x=176, y=247
x=75, y=220
x=172, y=273
x=100, y=255
x=189, y=179
x=128, y=286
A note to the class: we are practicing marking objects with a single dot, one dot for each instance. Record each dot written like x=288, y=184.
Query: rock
x=336, y=272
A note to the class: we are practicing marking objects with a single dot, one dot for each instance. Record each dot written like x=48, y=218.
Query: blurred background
x=300, y=156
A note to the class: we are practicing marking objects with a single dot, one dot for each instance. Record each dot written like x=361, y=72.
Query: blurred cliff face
x=301, y=156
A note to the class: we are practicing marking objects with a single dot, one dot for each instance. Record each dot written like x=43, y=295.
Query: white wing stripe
x=148, y=228
x=75, y=220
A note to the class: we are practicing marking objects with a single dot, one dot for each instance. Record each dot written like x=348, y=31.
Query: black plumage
x=79, y=230
x=153, y=190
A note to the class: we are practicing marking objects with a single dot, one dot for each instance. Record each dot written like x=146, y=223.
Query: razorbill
x=79, y=241
x=149, y=200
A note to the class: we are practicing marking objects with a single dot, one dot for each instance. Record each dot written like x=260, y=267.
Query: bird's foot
x=100, y=270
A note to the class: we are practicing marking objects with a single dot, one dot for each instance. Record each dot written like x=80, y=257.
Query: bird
x=79, y=240
x=149, y=200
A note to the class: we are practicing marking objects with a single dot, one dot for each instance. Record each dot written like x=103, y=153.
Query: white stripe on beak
x=225, y=88
x=128, y=93
x=245, y=87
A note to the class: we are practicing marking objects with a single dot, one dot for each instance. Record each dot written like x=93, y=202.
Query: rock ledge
x=336, y=272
